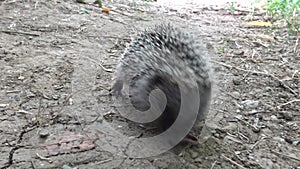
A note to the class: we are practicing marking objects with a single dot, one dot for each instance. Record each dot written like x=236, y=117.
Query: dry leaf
x=106, y=10
x=260, y=24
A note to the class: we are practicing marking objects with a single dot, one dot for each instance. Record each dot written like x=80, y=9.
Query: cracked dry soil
x=57, y=60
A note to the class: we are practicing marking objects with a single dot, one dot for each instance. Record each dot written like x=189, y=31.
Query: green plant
x=222, y=49
x=99, y=2
x=288, y=10
x=232, y=7
x=133, y=4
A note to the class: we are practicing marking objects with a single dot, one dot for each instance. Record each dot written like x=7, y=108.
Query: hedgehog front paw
x=117, y=93
x=191, y=139
x=116, y=89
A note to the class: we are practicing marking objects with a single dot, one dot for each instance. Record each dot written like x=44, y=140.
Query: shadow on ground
x=57, y=61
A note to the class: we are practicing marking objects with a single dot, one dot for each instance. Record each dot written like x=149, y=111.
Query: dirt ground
x=57, y=61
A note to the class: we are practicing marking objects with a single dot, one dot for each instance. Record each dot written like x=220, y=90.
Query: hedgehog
x=164, y=57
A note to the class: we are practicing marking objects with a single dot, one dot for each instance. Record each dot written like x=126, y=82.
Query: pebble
x=273, y=118
x=256, y=129
x=235, y=94
x=278, y=139
x=43, y=134
x=288, y=116
x=236, y=81
x=160, y=163
x=194, y=154
x=250, y=104
x=3, y=105
x=217, y=135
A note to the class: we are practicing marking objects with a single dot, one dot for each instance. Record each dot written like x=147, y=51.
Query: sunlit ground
x=242, y=3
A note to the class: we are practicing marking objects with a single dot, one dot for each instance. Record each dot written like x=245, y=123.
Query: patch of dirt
x=57, y=61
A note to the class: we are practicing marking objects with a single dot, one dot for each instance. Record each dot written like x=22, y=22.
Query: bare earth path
x=57, y=60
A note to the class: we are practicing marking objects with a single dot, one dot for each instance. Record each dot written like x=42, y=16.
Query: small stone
x=288, y=116
x=259, y=116
x=256, y=129
x=235, y=94
x=288, y=140
x=250, y=104
x=217, y=135
x=239, y=52
x=100, y=120
x=296, y=142
x=274, y=118
x=55, y=97
x=277, y=138
x=160, y=164
x=236, y=81
x=66, y=167
x=3, y=105
x=239, y=116
x=21, y=78
x=198, y=160
x=194, y=154
x=43, y=134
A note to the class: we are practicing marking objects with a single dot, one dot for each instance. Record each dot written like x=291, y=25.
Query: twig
x=242, y=136
x=233, y=162
x=259, y=44
x=255, y=144
x=233, y=138
x=105, y=69
x=121, y=13
x=258, y=73
x=20, y=32
x=36, y=4
x=284, y=85
x=44, y=158
x=247, y=123
x=23, y=111
x=295, y=47
x=103, y=161
x=99, y=64
x=32, y=164
x=10, y=2
x=292, y=157
x=213, y=164
x=254, y=52
x=294, y=74
x=107, y=36
x=13, y=91
x=289, y=102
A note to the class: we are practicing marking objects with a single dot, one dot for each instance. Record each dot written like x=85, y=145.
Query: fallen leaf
x=260, y=24
x=84, y=11
x=106, y=10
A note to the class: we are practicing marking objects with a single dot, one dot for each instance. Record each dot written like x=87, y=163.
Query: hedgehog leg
x=205, y=99
x=116, y=89
x=191, y=139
